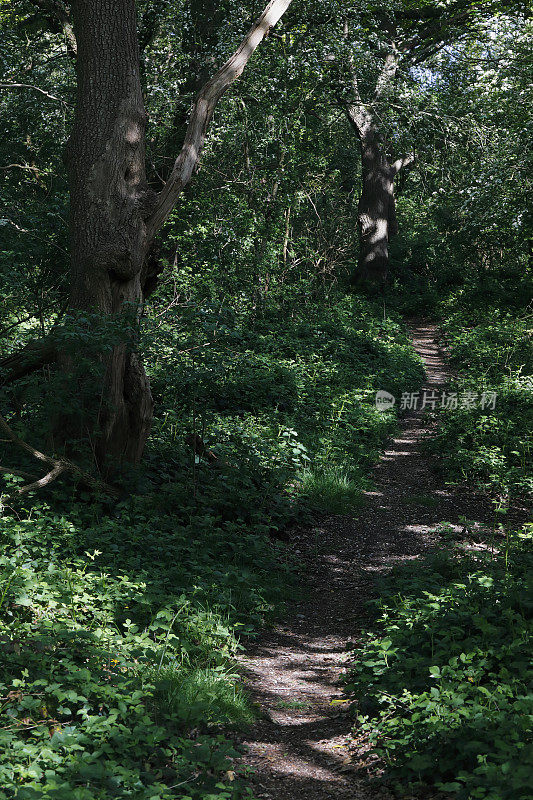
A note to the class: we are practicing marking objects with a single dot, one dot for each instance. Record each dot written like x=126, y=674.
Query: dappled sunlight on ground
x=301, y=747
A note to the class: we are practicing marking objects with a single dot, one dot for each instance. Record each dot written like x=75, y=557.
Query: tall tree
x=376, y=212
x=115, y=216
x=397, y=37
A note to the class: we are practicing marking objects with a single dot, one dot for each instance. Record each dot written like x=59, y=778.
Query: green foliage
x=290, y=392
x=121, y=623
x=443, y=684
x=488, y=447
x=119, y=632
x=332, y=491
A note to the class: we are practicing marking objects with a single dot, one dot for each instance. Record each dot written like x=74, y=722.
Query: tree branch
x=35, y=89
x=54, y=473
x=387, y=73
x=358, y=115
x=57, y=465
x=68, y=30
x=402, y=162
x=202, y=113
x=58, y=14
x=31, y=358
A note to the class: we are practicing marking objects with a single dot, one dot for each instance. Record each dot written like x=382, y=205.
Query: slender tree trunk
x=109, y=203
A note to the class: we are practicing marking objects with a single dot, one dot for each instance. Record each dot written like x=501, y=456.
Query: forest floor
x=301, y=747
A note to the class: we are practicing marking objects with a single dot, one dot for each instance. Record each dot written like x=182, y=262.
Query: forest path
x=300, y=749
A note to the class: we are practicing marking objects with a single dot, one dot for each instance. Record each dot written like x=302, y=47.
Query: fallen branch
x=54, y=473
x=57, y=465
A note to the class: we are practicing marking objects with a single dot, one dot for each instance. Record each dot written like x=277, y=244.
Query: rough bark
x=376, y=210
x=377, y=221
x=109, y=202
x=114, y=216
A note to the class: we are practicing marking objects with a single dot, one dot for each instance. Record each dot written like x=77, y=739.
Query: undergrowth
x=120, y=622
x=442, y=684
x=119, y=634
x=290, y=392
x=491, y=351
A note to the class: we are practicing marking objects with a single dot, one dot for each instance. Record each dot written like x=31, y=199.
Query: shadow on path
x=299, y=749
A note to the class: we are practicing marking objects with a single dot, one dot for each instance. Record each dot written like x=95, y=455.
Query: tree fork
x=114, y=215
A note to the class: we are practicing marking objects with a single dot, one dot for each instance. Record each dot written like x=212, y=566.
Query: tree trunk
x=377, y=207
x=376, y=210
x=114, y=217
x=109, y=203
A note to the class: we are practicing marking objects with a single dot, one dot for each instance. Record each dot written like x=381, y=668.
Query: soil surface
x=301, y=748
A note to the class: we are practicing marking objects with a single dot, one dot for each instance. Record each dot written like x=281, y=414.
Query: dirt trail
x=299, y=750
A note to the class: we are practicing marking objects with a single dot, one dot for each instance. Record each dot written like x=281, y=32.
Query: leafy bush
x=442, y=685
x=311, y=370
x=490, y=447
x=118, y=639
x=121, y=623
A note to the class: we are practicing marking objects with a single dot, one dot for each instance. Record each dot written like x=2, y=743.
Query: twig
x=35, y=89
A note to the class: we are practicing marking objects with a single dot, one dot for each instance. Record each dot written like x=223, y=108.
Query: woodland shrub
x=119, y=631
x=442, y=683
x=312, y=370
x=491, y=350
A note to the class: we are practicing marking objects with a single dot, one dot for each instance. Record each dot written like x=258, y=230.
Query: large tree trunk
x=115, y=217
x=113, y=221
x=376, y=211
x=109, y=203
x=377, y=207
